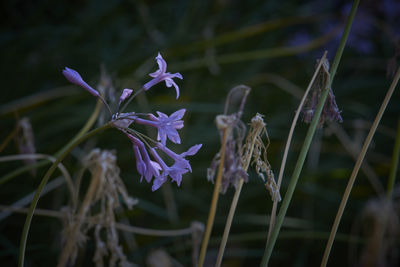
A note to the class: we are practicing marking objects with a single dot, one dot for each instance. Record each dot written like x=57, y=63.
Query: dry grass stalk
x=104, y=189
x=259, y=158
x=253, y=150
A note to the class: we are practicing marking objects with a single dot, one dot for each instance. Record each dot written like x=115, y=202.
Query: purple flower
x=125, y=94
x=161, y=75
x=140, y=164
x=179, y=159
x=144, y=165
x=175, y=172
x=75, y=78
x=166, y=126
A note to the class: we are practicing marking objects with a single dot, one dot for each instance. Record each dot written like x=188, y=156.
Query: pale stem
x=214, y=201
x=356, y=168
x=289, y=141
x=235, y=200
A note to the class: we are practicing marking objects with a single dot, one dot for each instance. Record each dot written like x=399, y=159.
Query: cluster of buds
x=149, y=163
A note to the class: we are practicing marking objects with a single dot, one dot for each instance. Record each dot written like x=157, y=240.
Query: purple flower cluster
x=167, y=126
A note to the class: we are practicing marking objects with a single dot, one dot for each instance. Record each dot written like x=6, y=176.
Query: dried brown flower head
x=330, y=111
x=104, y=190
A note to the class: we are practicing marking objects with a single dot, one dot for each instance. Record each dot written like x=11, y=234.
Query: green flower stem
x=61, y=156
x=288, y=142
x=395, y=163
x=306, y=145
x=42, y=163
x=357, y=168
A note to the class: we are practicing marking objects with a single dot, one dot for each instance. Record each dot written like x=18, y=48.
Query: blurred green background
x=271, y=46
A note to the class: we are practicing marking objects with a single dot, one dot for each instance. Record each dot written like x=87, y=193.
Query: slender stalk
x=229, y=222
x=235, y=200
x=47, y=176
x=72, y=236
x=61, y=167
x=39, y=164
x=214, y=201
x=289, y=141
x=153, y=232
x=27, y=199
x=357, y=168
x=306, y=145
x=354, y=151
x=395, y=163
x=119, y=226
x=89, y=123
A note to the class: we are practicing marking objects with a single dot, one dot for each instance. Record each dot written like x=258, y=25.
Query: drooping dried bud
x=330, y=111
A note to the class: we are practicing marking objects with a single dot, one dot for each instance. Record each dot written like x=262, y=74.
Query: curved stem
x=61, y=167
x=357, y=168
x=65, y=152
x=119, y=226
x=235, y=200
x=39, y=164
x=214, y=201
x=307, y=141
x=289, y=141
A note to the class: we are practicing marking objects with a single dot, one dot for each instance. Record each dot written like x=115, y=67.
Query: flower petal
x=193, y=150
x=125, y=94
x=173, y=135
x=177, y=115
x=162, y=64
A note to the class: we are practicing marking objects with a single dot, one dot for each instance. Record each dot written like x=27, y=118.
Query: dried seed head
x=80, y=237
x=103, y=166
x=233, y=170
x=330, y=111
x=256, y=150
x=104, y=191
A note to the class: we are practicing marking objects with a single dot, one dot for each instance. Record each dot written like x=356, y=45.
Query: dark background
x=271, y=46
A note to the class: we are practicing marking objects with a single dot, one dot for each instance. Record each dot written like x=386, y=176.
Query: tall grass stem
x=214, y=201
x=289, y=141
x=89, y=123
x=306, y=145
x=356, y=168
x=44, y=181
